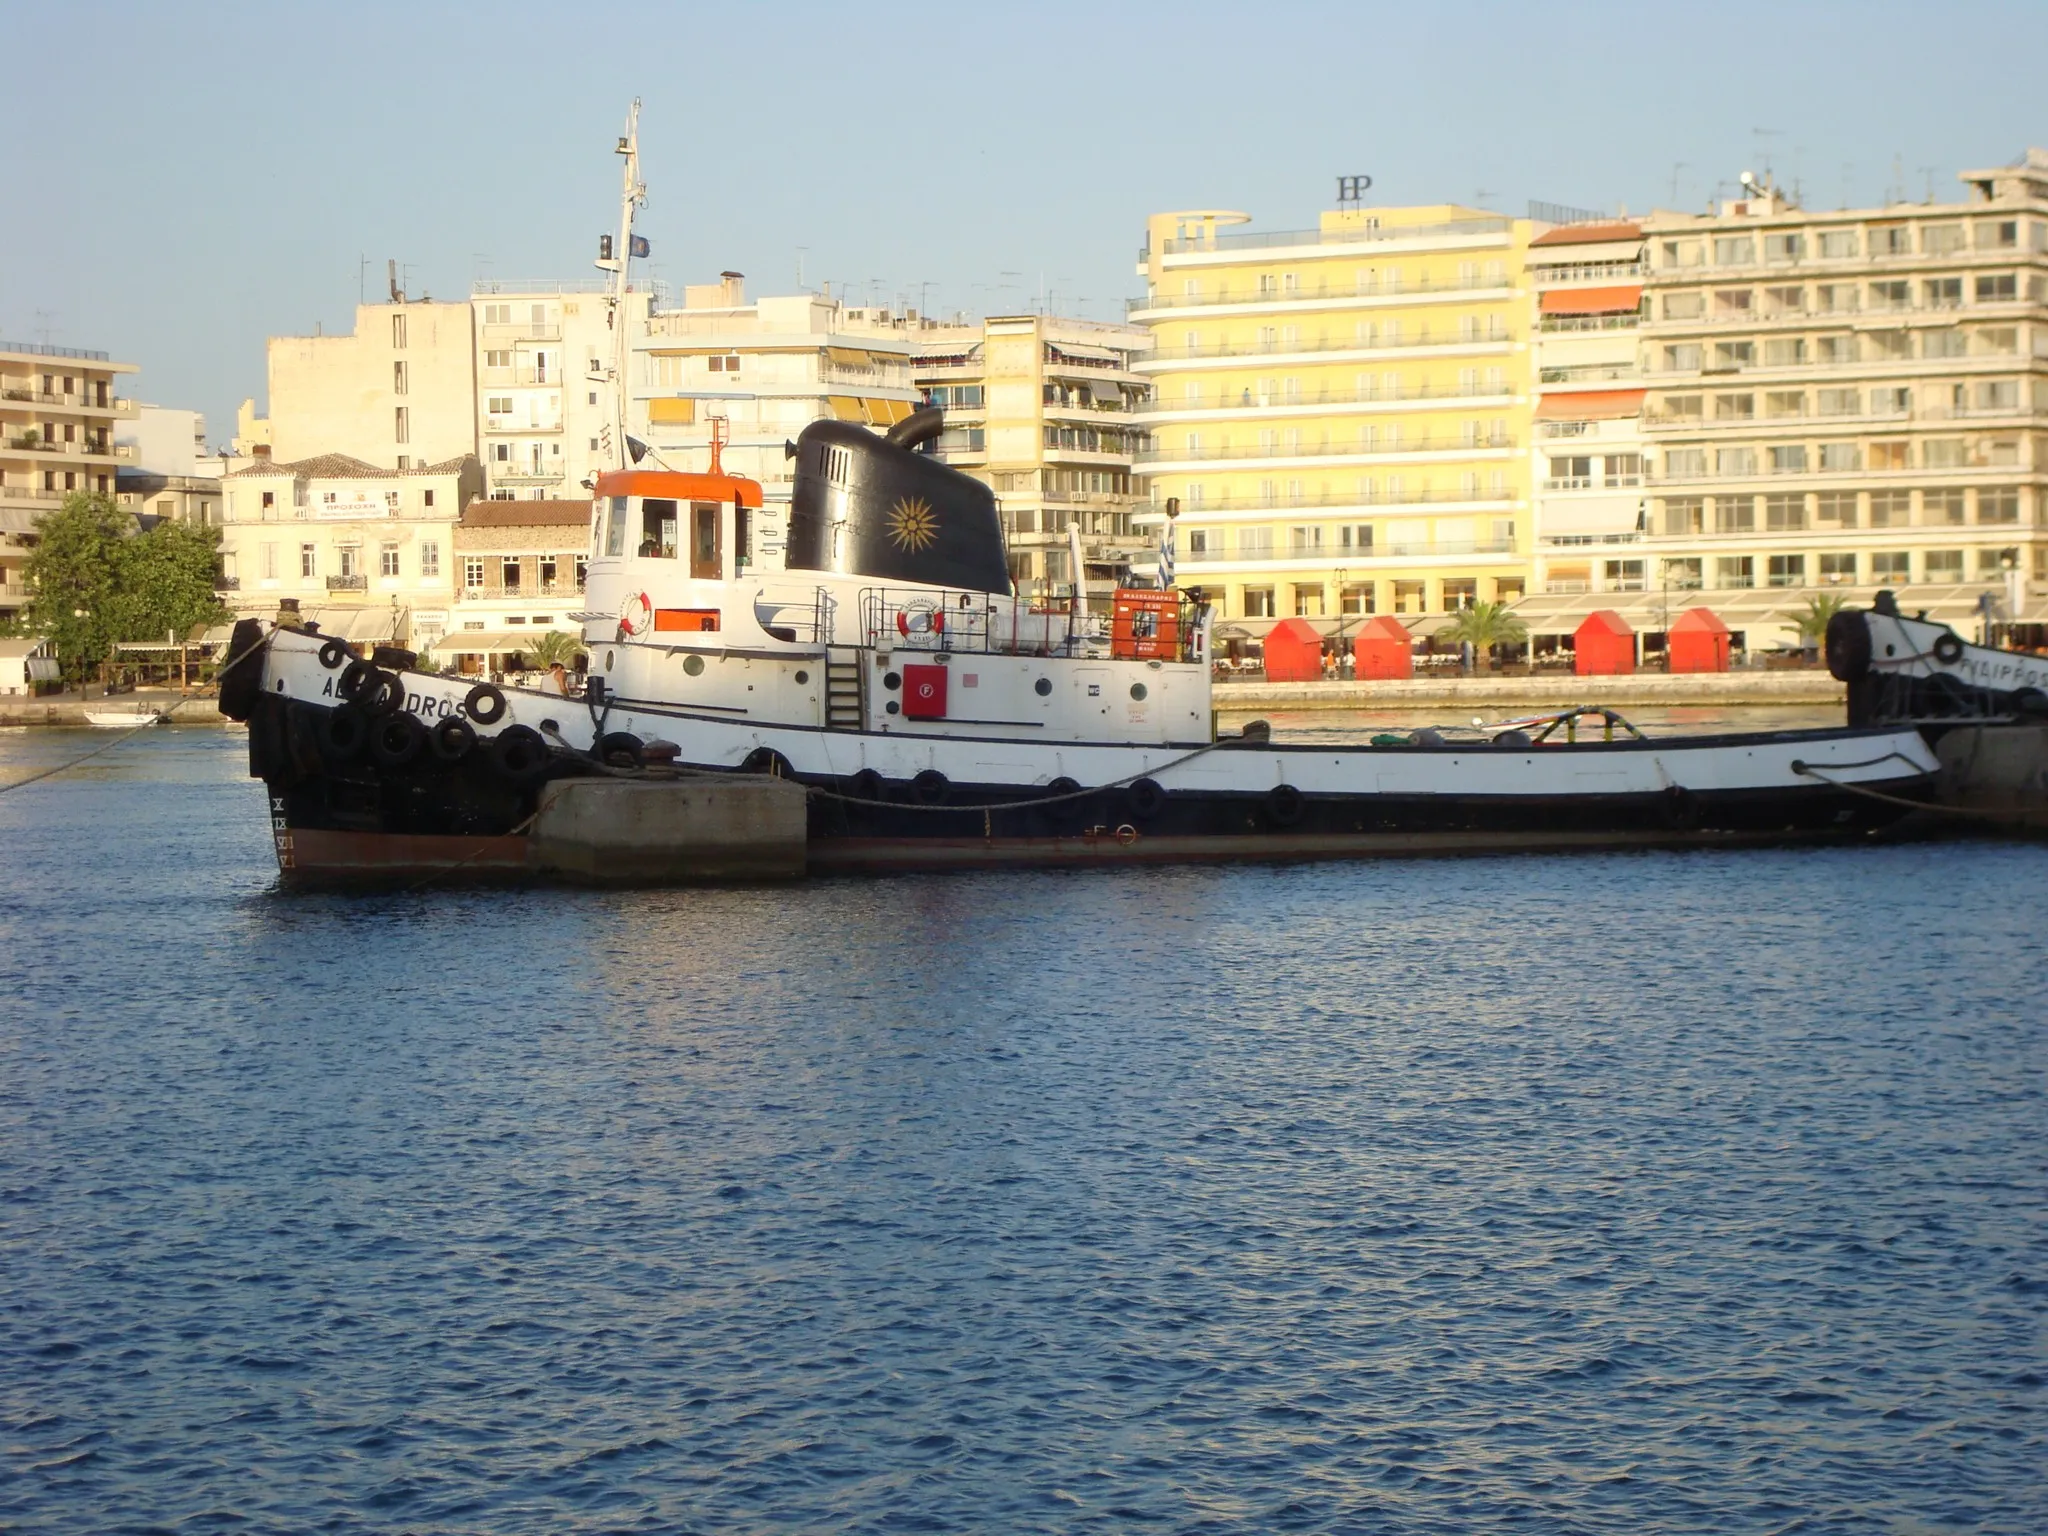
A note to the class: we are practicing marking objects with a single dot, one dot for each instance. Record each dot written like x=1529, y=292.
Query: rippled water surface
x=1647, y=1193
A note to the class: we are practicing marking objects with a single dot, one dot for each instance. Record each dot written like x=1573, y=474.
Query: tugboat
x=936, y=717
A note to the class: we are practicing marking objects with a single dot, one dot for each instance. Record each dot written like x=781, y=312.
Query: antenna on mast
x=617, y=259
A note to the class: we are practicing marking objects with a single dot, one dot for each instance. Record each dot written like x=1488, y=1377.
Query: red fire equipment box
x=924, y=691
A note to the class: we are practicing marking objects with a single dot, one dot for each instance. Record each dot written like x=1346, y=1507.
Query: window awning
x=852, y=357
x=1593, y=301
x=846, y=408
x=1591, y=405
x=1596, y=515
x=487, y=642
x=1071, y=351
x=886, y=413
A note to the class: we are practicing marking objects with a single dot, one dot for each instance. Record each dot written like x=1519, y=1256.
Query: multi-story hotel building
x=1044, y=410
x=1852, y=400
x=757, y=374
x=1341, y=413
x=58, y=413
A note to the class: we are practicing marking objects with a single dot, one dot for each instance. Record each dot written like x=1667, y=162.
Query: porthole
x=607, y=661
x=893, y=708
x=802, y=676
x=892, y=680
x=1137, y=690
x=1044, y=686
x=693, y=665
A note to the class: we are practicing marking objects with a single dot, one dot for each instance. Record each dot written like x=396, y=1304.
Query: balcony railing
x=1279, y=347
x=1350, y=235
x=1431, y=444
x=1351, y=556
x=348, y=583
x=1321, y=292
x=1426, y=497
x=1550, y=274
x=36, y=349
x=1556, y=323
x=1256, y=400
x=1589, y=373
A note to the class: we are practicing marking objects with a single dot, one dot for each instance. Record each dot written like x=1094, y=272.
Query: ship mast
x=617, y=259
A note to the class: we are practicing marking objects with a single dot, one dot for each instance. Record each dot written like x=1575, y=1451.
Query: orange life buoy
x=931, y=620
x=635, y=613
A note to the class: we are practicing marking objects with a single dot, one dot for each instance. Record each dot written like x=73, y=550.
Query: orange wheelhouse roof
x=679, y=485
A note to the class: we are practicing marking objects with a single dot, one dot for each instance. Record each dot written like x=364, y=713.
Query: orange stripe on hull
x=304, y=853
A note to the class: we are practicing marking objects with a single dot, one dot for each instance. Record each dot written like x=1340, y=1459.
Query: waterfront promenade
x=1540, y=690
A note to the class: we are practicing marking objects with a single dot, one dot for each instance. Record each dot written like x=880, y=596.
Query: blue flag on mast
x=1166, y=553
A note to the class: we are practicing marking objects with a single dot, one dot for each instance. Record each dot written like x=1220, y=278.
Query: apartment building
x=58, y=416
x=399, y=391
x=1588, y=452
x=1342, y=412
x=371, y=549
x=1852, y=400
x=545, y=356
x=1045, y=410
x=520, y=567
x=756, y=374
x=172, y=473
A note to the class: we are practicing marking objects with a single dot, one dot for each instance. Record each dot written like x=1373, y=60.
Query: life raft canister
x=635, y=614
x=921, y=620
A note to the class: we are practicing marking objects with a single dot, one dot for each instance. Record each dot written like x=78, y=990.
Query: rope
x=157, y=719
x=1807, y=770
x=440, y=874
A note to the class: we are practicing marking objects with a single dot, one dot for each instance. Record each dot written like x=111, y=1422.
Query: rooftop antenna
x=1676, y=167
x=1896, y=192
x=1763, y=137
x=43, y=318
x=1928, y=172
x=391, y=276
x=618, y=261
x=800, y=267
x=1848, y=180
x=1480, y=195
x=362, y=277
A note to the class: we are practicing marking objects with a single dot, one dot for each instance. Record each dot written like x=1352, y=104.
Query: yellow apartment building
x=1340, y=413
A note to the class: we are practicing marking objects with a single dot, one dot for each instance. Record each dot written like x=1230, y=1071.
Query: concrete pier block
x=670, y=832
x=1998, y=769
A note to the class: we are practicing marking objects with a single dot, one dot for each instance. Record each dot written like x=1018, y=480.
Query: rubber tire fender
x=930, y=787
x=358, y=680
x=1681, y=809
x=1283, y=805
x=389, y=697
x=621, y=744
x=344, y=734
x=1947, y=648
x=241, y=680
x=519, y=753
x=332, y=653
x=866, y=785
x=452, y=739
x=1061, y=787
x=1847, y=645
x=396, y=741
x=1147, y=798
x=485, y=704
x=769, y=761
x=2030, y=701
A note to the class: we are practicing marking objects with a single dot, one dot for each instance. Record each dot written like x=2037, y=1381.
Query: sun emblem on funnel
x=912, y=523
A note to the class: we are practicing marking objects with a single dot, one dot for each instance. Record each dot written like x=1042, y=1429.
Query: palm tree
x=1483, y=626
x=554, y=646
x=1813, y=623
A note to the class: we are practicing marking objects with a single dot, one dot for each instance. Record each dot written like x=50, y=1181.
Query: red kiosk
x=1384, y=649
x=1294, y=652
x=1698, y=642
x=1604, y=646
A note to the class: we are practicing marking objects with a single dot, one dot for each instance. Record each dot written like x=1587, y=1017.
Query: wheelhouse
x=704, y=524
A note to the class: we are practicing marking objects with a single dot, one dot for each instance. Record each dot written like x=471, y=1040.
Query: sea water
x=1636, y=1193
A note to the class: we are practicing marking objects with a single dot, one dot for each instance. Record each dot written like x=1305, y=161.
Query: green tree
x=1813, y=623
x=556, y=645
x=70, y=576
x=1484, y=626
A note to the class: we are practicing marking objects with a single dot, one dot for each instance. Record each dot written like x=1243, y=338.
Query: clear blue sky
x=217, y=179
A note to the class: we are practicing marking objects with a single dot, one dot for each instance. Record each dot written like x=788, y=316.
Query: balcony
x=1346, y=499
x=1426, y=444
x=1254, y=400
x=37, y=349
x=348, y=583
x=1321, y=293
x=1249, y=240
x=1553, y=324
x=1278, y=347
x=1550, y=275
x=506, y=474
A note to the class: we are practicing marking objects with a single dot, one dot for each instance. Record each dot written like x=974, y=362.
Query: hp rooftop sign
x=1351, y=190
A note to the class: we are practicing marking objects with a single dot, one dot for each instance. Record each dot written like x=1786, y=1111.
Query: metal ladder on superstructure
x=842, y=694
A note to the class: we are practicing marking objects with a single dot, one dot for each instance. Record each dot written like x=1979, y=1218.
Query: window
x=351, y=559
x=1891, y=295
x=1943, y=292
x=1996, y=562
x=1840, y=402
x=499, y=405
x=1838, y=570
x=1734, y=407
x=1836, y=244
x=1785, y=402
x=1784, y=301
x=1684, y=306
x=1888, y=456
x=497, y=358
x=398, y=331
x=1891, y=400
x=430, y=558
x=473, y=572
x=1891, y=509
x=1786, y=571
x=269, y=502
x=1305, y=541
x=1624, y=469
x=1356, y=597
x=1790, y=246
x=1255, y=543
x=1891, y=240
x=1943, y=453
x=1734, y=250
x=1835, y=349
x=1735, y=571
x=1943, y=565
x=309, y=560
x=1683, y=573
x=1946, y=342
x=1784, y=514
x=1788, y=459
x=1836, y=298
x=1998, y=506
x=1942, y=508
x=730, y=363
x=1258, y=602
x=1941, y=239
x=398, y=377
x=387, y=559
x=1891, y=565
x=508, y=573
x=1733, y=302
x=1734, y=514
x=1997, y=288
x=401, y=424
x=1308, y=601
x=1998, y=395
x=1836, y=508
x=1890, y=346
x=1784, y=351
x=427, y=497
x=1682, y=407
x=1684, y=515
x=1730, y=356
x=1681, y=253
x=1685, y=463
x=270, y=562
x=1998, y=235
x=1571, y=473
x=1996, y=340
x=1682, y=359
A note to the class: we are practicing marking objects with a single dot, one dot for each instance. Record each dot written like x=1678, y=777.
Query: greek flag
x=1166, y=554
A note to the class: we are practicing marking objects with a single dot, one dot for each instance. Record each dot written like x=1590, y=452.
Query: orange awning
x=1593, y=301
x=1591, y=405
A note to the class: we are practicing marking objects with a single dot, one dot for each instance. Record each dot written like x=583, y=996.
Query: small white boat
x=131, y=718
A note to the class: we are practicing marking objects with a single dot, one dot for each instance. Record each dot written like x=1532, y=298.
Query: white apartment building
x=58, y=417
x=171, y=473
x=1044, y=409
x=1854, y=399
x=763, y=371
x=371, y=549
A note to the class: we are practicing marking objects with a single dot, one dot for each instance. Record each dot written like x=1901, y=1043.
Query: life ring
x=1126, y=835
x=484, y=704
x=1948, y=648
x=1283, y=805
x=921, y=620
x=452, y=739
x=635, y=614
